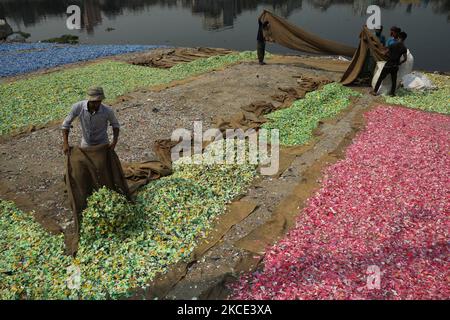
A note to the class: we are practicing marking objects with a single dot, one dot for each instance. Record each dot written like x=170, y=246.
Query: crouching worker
x=93, y=165
x=94, y=118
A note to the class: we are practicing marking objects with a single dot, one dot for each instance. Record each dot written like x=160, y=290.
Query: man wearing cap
x=94, y=118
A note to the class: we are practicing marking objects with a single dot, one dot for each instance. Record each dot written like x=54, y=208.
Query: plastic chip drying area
x=337, y=207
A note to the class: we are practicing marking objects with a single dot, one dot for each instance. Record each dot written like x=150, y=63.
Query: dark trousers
x=392, y=70
x=261, y=49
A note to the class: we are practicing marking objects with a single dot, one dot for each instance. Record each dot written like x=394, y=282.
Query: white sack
x=404, y=69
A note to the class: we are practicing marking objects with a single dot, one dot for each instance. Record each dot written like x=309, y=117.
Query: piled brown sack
x=369, y=44
x=173, y=57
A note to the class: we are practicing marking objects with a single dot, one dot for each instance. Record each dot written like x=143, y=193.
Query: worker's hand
x=66, y=148
x=112, y=146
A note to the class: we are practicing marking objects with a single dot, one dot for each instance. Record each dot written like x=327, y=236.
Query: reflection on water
x=232, y=23
x=216, y=14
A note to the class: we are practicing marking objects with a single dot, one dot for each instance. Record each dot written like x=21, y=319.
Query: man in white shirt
x=94, y=119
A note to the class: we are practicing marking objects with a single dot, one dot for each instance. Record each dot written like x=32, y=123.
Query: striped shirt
x=94, y=126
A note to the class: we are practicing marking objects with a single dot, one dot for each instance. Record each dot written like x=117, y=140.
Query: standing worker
x=396, y=52
x=395, y=31
x=94, y=164
x=380, y=36
x=261, y=41
x=94, y=118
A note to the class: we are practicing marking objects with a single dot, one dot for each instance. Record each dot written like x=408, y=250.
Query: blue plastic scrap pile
x=20, y=58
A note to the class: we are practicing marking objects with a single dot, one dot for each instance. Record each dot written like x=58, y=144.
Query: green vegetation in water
x=25, y=35
x=65, y=38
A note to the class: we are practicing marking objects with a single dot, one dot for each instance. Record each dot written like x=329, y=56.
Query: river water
x=233, y=23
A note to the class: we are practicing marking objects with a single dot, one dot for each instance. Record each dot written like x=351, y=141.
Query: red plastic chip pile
x=378, y=228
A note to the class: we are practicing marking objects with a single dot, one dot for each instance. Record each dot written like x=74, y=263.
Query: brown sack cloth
x=305, y=85
x=87, y=170
x=169, y=59
x=141, y=173
x=163, y=150
x=368, y=44
x=251, y=117
x=286, y=34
